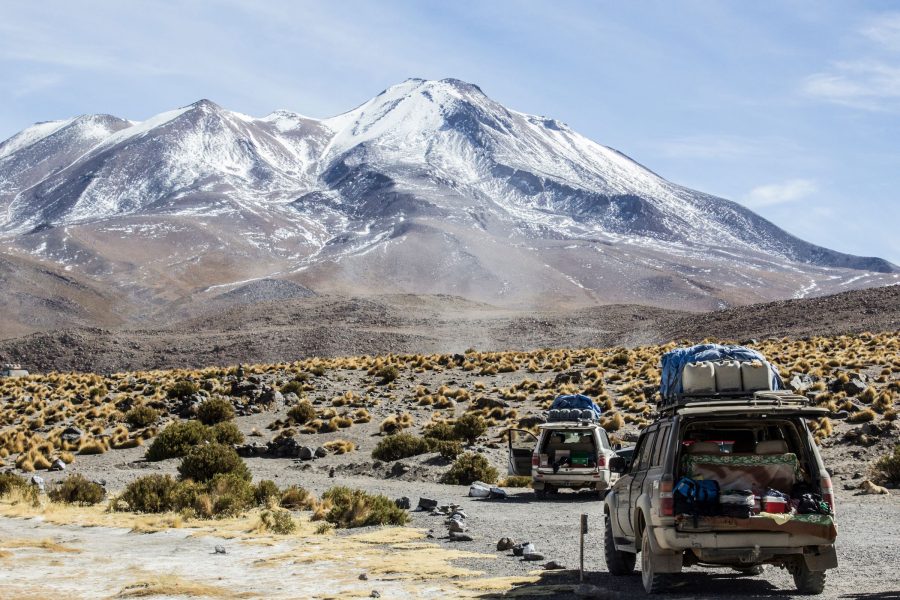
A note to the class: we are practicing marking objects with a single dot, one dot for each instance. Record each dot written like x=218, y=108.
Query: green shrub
x=441, y=430
x=297, y=498
x=448, y=449
x=469, y=427
x=387, y=374
x=399, y=445
x=182, y=389
x=277, y=521
x=887, y=469
x=76, y=489
x=267, y=493
x=204, y=462
x=302, y=413
x=356, y=508
x=215, y=410
x=177, y=439
x=226, y=433
x=141, y=416
x=230, y=494
x=149, y=494
x=470, y=467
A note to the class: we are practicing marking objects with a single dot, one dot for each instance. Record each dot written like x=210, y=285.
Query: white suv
x=569, y=454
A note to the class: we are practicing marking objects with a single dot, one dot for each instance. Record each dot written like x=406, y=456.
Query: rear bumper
x=596, y=479
x=748, y=547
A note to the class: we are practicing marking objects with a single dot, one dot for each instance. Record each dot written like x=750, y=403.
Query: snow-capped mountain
x=429, y=187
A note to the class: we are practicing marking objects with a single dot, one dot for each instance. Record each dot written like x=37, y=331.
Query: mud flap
x=821, y=558
x=665, y=561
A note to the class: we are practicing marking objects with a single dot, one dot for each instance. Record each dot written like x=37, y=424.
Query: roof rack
x=762, y=398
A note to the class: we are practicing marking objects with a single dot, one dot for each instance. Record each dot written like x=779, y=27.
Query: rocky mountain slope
x=431, y=187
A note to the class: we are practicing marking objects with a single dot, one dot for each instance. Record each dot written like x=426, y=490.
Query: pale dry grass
x=172, y=585
x=44, y=544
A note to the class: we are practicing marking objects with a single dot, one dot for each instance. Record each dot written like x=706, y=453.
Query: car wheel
x=654, y=583
x=551, y=489
x=809, y=582
x=617, y=561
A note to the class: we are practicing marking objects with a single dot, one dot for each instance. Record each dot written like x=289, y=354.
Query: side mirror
x=617, y=464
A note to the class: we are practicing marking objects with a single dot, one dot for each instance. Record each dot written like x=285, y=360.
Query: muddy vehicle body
x=760, y=441
x=573, y=455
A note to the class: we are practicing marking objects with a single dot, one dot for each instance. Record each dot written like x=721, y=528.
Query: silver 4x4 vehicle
x=757, y=442
x=564, y=454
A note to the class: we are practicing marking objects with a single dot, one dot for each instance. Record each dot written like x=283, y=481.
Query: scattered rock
x=533, y=556
x=38, y=482
x=306, y=453
x=479, y=489
x=456, y=526
x=321, y=452
x=375, y=594
x=519, y=549
x=363, y=577
x=399, y=469
x=552, y=566
x=854, y=387
x=505, y=544
x=403, y=503
x=71, y=434
x=427, y=504
x=57, y=465
x=460, y=537
x=219, y=549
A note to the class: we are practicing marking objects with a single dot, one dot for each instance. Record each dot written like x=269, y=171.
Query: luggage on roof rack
x=714, y=371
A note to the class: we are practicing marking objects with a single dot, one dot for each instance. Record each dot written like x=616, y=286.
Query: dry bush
x=396, y=423
x=339, y=446
x=141, y=416
x=277, y=521
x=302, y=413
x=887, y=469
x=297, y=498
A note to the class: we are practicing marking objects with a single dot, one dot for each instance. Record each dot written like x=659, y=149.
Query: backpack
x=696, y=497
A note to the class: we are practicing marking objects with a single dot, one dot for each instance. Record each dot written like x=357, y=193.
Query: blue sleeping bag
x=673, y=363
x=575, y=401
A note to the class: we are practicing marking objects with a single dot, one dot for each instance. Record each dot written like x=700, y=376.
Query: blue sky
x=790, y=107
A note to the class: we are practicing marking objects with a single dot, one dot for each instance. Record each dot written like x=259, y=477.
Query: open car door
x=521, y=446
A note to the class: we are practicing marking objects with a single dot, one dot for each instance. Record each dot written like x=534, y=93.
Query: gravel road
x=868, y=541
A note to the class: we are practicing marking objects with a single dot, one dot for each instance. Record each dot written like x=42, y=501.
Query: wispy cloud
x=884, y=29
x=784, y=192
x=870, y=85
x=871, y=82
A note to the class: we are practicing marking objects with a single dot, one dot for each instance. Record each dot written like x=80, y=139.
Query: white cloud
x=871, y=85
x=785, y=192
x=884, y=29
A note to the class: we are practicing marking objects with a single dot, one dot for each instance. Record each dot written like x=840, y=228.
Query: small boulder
x=57, y=465
x=219, y=549
x=403, y=503
x=553, y=566
x=427, y=504
x=306, y=453
x=456, y=536
x=505, y=544
x=533, y=556
x=321, y=452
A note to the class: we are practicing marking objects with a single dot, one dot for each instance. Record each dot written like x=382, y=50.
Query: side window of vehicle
x=647, y=451
x=662, y=441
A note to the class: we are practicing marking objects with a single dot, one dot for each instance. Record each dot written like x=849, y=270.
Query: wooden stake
x=584, y=524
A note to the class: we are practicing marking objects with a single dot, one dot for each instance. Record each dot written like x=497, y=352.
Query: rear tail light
x=535, y=460
x=828, y=492
x=601, y=461
x=666, y=499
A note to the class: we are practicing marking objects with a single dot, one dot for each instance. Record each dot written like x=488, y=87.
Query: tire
x=810, y=583
x=540, y=494
x=654, y=583
x=551, y=489
x=617, y=562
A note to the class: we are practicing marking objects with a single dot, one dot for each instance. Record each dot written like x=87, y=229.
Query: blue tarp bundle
x=673, y=363
x=575, y=401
